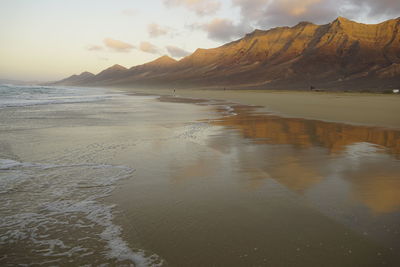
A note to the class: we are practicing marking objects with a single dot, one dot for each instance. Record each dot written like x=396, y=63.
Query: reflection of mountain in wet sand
x=375, y=184
x=270, y=129
x=377, y=188
x=295, y=176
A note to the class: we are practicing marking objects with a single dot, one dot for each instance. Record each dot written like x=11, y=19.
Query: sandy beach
x=355, y=108
x=149, y=180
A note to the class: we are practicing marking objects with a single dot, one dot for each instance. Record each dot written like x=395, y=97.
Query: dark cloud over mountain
x=271, y=13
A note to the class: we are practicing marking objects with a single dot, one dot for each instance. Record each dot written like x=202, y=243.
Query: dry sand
x=354, y=108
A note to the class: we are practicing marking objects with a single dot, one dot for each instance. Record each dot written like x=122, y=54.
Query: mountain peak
x=340, y=18
x=76, y=79
x=117, y=67
x=342, y=21
x=303, y=24
x=86, y=73
x=111, y=70
x=163, y=60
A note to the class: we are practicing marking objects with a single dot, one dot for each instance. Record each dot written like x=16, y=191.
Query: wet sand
x=261, y=190
x=187, y=182
x=355, y=108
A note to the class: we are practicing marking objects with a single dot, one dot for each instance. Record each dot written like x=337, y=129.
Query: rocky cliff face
x=341, y=55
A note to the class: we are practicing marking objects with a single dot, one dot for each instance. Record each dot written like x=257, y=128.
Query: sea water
x=51, y=211
x=21, y=95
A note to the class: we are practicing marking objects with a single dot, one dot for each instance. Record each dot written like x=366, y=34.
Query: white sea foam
x=19, y=96
x=44, y=205
x=6, y=164
x=229, y=110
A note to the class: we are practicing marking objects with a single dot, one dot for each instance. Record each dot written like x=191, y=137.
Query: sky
x=45, y=40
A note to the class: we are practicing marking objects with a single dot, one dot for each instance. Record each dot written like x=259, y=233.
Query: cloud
x=225, y=30
x=94, y=48
x=149, y=48
x=290, y=12
x=118, y=46
x=156, y=30
x=130, y=12
x=300, y=8
x=271, y=13
x=251, y=9
x=200, y=7
x=175, y=51
x=382, y=9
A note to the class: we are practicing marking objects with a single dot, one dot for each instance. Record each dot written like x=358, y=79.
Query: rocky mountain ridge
x=342, y=55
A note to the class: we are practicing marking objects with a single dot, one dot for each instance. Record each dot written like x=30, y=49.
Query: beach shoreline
x=351, y=108
x=257, y=170
x=177, y=180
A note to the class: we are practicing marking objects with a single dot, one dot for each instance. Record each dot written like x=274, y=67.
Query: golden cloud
x=156, y=30
x=117, y=45
x=149, y=48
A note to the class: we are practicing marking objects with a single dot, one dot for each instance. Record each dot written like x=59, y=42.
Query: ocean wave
x=46, y=207
x=20, y=96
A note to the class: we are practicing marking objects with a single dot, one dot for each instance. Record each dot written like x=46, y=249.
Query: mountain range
x=341, y=55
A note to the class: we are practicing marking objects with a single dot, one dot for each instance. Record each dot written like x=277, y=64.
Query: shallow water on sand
x=167, y=181
x=254, y=189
